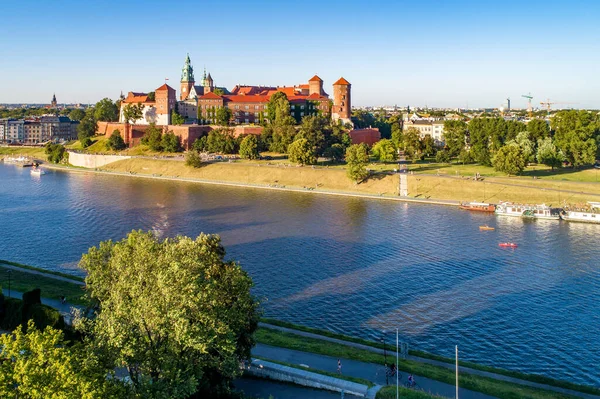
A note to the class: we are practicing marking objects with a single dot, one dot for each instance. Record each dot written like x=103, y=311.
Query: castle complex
x=200, y=104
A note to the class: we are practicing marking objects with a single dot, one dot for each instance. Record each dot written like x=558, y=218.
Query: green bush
x=16, y=312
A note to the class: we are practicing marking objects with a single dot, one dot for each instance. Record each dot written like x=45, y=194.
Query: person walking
x=339, y=370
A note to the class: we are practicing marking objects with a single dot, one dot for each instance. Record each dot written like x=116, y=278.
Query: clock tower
x=187, y=79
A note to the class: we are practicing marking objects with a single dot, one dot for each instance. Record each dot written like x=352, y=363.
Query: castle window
x=302, y=107
x=293, y=106
x=247, y=107
x=256, y=107
x=237, y=107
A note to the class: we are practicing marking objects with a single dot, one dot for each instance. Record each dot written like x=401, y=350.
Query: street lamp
x=385, y=360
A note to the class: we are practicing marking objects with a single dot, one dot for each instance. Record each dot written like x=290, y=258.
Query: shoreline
x=257, y=186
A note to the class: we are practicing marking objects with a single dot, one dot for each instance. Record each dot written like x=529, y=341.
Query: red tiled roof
x=136, y=98
x=211, y=95
x=316, y=96
x=164, y=87
x=246, y=99
x=341, y=81
x=315, y=79
x=304, y=86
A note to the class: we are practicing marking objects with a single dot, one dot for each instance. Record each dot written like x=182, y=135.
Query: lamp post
x=385, y=359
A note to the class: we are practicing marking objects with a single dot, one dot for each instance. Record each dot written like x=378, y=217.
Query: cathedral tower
x=342, y=107
x=53, y=103
x=187, y=79
x=315, y=85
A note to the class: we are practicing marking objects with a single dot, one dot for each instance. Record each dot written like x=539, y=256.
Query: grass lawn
x=486, y=385
x=23, y=281
x=22, y=266
x=36, y=152
x=246, y=173
x=528, y=377
x=389, y=392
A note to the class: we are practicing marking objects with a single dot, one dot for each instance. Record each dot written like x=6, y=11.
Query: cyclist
x=411, y=381
x=393, y=369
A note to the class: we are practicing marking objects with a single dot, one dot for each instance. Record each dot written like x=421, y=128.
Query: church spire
x=187, y=72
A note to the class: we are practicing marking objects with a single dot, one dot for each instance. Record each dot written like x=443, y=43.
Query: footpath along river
x=351, y=265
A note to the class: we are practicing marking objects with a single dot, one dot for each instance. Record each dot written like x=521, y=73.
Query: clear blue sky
x=435, y=53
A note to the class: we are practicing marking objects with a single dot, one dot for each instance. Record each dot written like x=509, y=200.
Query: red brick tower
x=165, y=98
x=342, y=106
x=315, y=85
x=187, y=79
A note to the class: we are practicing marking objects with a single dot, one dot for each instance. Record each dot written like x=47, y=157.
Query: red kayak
x=508, y=245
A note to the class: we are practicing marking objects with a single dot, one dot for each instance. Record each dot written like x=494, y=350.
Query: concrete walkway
x=65, y=309
x=41, y=273
x=368, y=371
x=435, y=363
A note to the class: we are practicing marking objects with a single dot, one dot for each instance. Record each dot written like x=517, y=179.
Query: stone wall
x=93, y=161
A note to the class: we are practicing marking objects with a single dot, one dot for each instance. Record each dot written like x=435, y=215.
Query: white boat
x=542, y=211
x=589, y=215
x=37, y=171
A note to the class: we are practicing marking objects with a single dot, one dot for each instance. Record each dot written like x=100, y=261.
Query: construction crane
x=528, y=97
x=548, y=104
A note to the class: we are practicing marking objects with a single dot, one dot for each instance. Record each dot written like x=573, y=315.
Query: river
x=356, y=266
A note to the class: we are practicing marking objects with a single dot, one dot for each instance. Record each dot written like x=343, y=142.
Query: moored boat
x=485, y=227
x=507, y=245
x=589, y=214
x=478, y=206
x=542, y=211
x=36, y=170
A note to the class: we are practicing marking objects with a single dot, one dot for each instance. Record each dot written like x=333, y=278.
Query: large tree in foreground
x=172, y=311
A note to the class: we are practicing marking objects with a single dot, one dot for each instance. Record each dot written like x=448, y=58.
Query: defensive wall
x=132, y=134
x=93, y=161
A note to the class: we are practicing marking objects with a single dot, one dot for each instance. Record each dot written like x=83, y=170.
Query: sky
x=418, y=53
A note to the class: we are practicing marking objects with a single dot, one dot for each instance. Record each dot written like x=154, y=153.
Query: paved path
x=437, y=363
x=354, y=368
x=41, y=273
x=63, y=308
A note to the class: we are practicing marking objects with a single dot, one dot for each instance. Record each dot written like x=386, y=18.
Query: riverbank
x=491, y=381
x=422, y=188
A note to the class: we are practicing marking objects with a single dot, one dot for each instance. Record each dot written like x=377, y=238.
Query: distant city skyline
x=453, y=55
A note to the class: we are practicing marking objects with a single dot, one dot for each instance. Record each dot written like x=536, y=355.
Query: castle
x=199, y=105
x=248, y=104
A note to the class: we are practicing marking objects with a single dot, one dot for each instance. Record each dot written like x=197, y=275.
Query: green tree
x=357, y=159
x=302, y=152
x=384, y=150
x=548, y=154
x=312, y=128
x=193, y=159
x=153, y=138
x=106, y=110
x=76, y=114
x=278, y=109
x=200, y=144
x=40, y=364
x=152, y=96
x=133, y=112
x=55, y=152
x=249, y=147
x=428, y=145
x=170, y=142
x=87, y=127
x=362, y=119
x=509, y=159
x=221, y=141
x=177, y=119
x=335, y=152
x=455, y=134
x=527, y=146
x=172, y=312
x=538, y=129
x=223, y=116
x=115, y=141
x=412, y=143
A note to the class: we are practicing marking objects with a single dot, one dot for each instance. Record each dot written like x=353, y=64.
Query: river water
x=356, y=266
